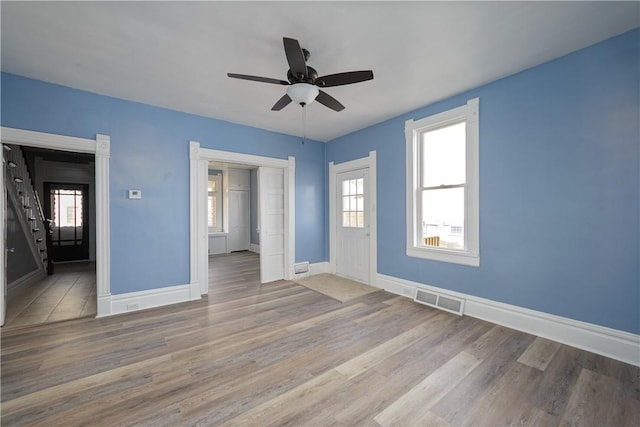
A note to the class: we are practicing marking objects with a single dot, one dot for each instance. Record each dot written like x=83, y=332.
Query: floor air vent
x=301, y=267
x=446, y=303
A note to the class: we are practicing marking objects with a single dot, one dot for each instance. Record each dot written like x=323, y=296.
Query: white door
x=271, y=226
x=352, y=220
x=239, y=221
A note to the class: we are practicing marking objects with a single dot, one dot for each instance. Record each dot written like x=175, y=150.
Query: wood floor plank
x=415, y=403
x=539, y=353
x=280, y=354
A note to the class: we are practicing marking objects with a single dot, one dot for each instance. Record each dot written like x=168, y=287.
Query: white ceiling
x=177, y=54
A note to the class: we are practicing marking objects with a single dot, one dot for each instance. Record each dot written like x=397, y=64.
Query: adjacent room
x=320, y=213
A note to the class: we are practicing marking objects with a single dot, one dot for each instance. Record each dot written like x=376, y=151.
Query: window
x=67, y=207
x=214, y=203
x=442, y=186
x=353, y=203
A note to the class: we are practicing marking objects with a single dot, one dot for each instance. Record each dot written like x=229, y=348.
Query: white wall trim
x=254, y=248
x=619, y=345
x=199, y=159
x=319, y=268
x=315, y=268
x=101, y=147
x=141, y=300
x=369, y=162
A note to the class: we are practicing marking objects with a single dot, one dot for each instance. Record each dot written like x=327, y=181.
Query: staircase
x=22, y=193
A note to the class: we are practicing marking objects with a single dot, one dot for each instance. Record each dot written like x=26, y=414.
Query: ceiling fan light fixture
x=302, y=93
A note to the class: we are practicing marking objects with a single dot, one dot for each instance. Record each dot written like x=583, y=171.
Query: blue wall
x=149, y=151
x=559, y=188
x=559, y=183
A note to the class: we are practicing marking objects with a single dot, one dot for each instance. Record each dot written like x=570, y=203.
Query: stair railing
x=22, y=192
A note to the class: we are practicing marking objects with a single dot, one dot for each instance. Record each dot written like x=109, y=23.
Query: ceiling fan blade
x=344, y=78
x=282, y=102
x=295, y=56
x=329, y=101
x=258, y=79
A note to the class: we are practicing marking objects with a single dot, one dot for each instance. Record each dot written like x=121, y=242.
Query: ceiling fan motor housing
x=311, y=76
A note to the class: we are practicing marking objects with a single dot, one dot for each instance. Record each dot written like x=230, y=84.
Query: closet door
x=239, y=221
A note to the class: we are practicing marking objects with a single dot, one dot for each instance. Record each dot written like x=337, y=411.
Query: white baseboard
x=319, y=268
x=315, y=268
x=28, y=279
x=109, y=305
x=254, y=248
x=619, y=345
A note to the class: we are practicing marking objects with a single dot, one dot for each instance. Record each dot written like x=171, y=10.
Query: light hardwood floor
x=281, y=354
x=70, y=293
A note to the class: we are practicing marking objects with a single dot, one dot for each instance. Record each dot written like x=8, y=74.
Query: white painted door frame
x=3, y=236
x=101, y=148
x=199, y=159
x=334, y=169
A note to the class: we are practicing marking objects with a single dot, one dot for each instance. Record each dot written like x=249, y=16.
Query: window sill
x=463, y=258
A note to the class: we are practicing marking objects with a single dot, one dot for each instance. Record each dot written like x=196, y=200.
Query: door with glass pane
x=352, y=243
x=67, y=208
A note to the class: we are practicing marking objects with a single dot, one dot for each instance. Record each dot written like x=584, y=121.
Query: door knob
x=12, y=250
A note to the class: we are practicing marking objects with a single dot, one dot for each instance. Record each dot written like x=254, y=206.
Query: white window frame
x=219, y=202
x=413, y=131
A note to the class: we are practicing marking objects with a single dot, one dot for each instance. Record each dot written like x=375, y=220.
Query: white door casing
x=101, y=148
x=369, y=163
x=272, y=223
x=352, y=225
x=3, y=252
x=199, y=161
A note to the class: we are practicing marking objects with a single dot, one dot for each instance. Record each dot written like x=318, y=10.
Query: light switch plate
x=135, y=194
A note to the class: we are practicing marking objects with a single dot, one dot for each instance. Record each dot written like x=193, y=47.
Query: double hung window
x=442, y=186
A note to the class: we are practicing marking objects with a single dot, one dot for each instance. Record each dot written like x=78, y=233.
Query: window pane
x=345, y=204
x=353, y=203
x=353, y=219
x=443, y=218
x=360, y=220
x=360, y=203
x=345, y=188
x=443, y=156
x=352, y=186
x=345, y=219
x=360, y=185
x=67, y=208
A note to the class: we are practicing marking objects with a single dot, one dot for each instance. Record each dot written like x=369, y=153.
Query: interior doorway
x=61, y=282
x=99, y=150
x=275, y=201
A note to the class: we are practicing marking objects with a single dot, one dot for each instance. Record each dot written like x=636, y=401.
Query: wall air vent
x=443, y=302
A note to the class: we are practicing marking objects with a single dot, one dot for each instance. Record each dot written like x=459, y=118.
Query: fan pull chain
x=304, y=124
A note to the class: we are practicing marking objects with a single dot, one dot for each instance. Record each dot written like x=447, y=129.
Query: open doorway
x=275, y=207
x=98, y=150
x=58, y=188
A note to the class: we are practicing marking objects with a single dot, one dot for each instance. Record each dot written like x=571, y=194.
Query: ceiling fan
x=303, y=81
